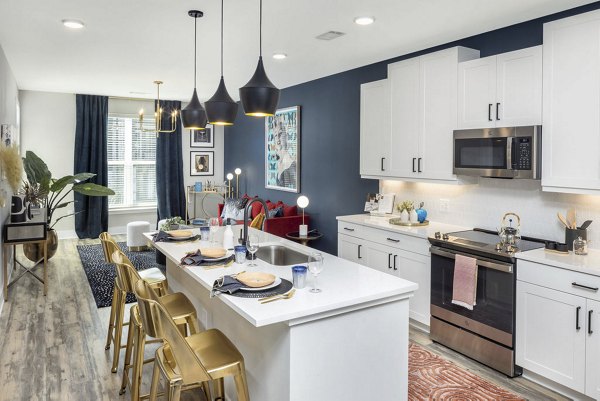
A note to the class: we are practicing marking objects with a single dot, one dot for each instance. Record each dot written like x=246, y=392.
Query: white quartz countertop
x=346, y=285
x=589, y=264
x=383, y=223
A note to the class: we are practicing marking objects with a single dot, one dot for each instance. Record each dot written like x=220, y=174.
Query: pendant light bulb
x=221, y=109
x=259, y=96
x=194, y=116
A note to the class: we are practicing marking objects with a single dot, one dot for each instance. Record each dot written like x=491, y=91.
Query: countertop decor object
x=302, y=203
x=193, y=116
x=259, y=96
x=399, y=222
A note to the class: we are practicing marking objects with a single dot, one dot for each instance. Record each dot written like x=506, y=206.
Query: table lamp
x=229, y=178
x=237, y=171
x=302, y=202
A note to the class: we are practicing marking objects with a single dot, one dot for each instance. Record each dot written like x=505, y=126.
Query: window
x=131, y=157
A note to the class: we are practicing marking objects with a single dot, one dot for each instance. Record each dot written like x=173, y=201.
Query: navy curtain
x=91, y=216
x=170, y=189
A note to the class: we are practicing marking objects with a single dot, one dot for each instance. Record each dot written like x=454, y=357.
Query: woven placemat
x=282, y=288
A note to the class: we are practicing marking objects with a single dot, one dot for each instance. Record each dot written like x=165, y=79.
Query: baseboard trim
x=556, y=387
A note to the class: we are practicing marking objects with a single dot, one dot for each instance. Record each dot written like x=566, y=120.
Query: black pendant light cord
x=195, y=38
x=222, y=38
x=260, y=29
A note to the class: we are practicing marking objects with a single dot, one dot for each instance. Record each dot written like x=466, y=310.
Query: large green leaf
x=59, y=184
x=90, y=189
x=36, y=170
x=83, y=177
x=64, y=204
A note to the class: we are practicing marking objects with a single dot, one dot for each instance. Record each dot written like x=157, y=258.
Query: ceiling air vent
x=330, y=35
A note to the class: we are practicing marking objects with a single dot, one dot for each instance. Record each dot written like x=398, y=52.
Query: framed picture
x=282, y=150
x=202, y=163
x=202, y=139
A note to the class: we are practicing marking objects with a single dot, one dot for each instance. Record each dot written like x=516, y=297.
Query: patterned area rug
x=431, y=377
x=101, y=275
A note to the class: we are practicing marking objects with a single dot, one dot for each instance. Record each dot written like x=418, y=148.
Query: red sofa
x=279, y=226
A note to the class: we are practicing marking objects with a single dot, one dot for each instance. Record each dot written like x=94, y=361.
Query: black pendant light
x=193, y=116
x=259, y=96
x=221, y=109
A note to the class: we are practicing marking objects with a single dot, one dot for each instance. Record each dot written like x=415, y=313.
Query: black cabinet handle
x=419, y=165
x=574, y=284
x=590, y=331
x=490, y=112
x=393, y=240
x=395, y=256
x=497, y=112
x=414, y=158
x=382, y=159
x=359, y=246
x=577, y=327
x=348, y=229
x=389, y=260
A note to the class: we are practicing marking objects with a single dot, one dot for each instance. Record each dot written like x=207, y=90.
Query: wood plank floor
x=52, y=348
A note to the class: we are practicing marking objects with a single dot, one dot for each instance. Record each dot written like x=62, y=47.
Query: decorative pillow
x=257, y=222
x=257, y=208
x=275, y=212
x=242, y=202
x=290, y=210
x=231, y=211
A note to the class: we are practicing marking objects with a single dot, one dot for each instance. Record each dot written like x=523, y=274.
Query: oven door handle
x=503, y=267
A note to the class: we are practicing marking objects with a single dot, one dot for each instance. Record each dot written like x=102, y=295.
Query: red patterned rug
x=431, y=377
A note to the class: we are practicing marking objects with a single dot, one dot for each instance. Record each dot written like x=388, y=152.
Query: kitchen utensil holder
x=571, y=235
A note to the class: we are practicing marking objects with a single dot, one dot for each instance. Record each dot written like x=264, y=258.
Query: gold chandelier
x=158, y=116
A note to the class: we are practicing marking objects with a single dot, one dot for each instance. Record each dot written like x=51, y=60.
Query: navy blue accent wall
x=330, y=131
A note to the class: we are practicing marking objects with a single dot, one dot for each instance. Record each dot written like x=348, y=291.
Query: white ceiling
x=127, y=44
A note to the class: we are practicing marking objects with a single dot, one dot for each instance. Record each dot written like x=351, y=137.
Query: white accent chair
x=135, y=235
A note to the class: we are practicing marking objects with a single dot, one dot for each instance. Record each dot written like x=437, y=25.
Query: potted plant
x=44, y=191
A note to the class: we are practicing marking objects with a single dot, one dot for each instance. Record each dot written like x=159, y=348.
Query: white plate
x=180, y=238
x=266, y=287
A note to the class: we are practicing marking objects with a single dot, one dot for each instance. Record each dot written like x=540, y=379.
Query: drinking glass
x=315, y=266
x=252, y=246
x=214, y=227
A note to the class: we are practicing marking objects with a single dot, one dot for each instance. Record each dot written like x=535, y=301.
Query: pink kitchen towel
x=464, y=287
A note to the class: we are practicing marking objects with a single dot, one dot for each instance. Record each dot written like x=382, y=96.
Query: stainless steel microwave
x=511, y=152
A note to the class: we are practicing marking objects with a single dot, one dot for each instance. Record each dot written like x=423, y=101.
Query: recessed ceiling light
x=364, y=20
x=279, y=56
x=73, y=23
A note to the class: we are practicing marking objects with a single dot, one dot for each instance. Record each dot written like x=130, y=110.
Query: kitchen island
x=349, y=342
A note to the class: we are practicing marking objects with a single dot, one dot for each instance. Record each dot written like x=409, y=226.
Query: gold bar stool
x=179, y=308
x=154, y=276
x=189, y=362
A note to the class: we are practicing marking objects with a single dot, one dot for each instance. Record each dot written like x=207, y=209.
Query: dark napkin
x=225, y=284
x=197, y=259
x=161, y=236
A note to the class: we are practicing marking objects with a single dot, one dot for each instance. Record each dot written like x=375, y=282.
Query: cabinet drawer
x=572, y=282
x=398, y=240
x=352, y=229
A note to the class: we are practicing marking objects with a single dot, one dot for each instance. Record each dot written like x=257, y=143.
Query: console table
x=32, y=231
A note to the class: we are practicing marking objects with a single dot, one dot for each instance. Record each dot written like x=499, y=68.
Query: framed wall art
x=202, y=139
x=202, y=163
x=282, y=150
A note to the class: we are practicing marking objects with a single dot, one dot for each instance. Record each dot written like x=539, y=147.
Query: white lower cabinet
x=393, y=258
x=558, y=326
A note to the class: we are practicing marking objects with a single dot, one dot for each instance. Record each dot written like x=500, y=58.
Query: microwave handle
x=509, y=153
x=503, y=267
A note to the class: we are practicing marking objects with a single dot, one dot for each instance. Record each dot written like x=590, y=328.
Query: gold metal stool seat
x=190, y=362
x=113, y=254
x=142, y=324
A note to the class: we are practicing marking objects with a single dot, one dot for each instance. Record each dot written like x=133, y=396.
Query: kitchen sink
x=280, y=255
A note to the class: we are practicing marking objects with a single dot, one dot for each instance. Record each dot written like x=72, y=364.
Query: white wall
x=484, y=205
x=48, y=129
x=8, y=115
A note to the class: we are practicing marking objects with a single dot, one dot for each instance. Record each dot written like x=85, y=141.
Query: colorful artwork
x=282, y=153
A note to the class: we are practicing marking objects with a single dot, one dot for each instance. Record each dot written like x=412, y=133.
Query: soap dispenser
x=228, y=236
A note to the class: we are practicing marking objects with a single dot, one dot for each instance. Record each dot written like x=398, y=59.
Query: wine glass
x=252, y=246
x=214, y=227
x=315, y=266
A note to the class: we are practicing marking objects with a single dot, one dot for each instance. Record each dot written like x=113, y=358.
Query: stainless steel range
x=485, y=333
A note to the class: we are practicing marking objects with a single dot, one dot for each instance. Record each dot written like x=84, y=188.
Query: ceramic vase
x=414, y=218
x=404, y=216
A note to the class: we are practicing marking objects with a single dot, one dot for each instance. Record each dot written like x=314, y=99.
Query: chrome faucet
x=244, y=239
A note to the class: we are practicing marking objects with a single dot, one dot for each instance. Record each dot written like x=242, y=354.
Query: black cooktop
x=484, y=242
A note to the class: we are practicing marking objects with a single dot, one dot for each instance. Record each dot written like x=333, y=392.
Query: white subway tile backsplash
x=483, y=205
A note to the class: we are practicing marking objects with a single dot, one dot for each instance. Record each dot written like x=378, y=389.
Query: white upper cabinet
x=375, y=128
x=571, y=134
x=422, y=117
x=501, y=91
